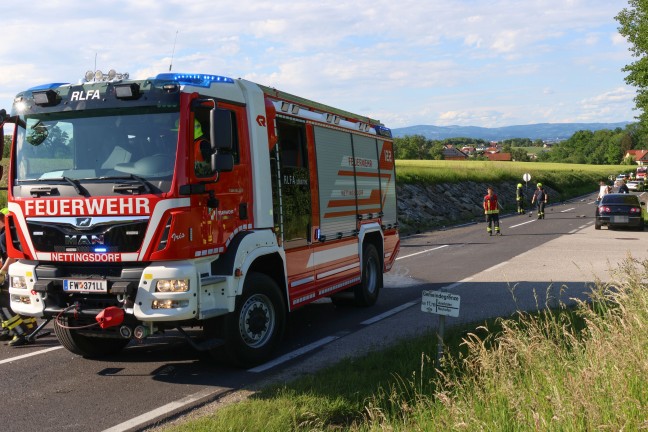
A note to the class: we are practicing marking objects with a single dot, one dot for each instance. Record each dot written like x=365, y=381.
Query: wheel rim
x=371, y=276
x=257, y=321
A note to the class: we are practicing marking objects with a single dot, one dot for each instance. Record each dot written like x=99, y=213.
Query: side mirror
x=222, y=134
x=222, y=138
x=222, y=162
x=3, y=119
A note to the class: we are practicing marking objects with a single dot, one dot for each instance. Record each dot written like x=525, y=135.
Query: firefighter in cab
x=491, y=210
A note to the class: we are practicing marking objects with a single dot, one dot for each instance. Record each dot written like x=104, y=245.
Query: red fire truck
x=641, y=172
x=200, y=203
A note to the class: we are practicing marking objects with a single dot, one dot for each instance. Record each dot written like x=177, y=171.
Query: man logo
x=83, y=222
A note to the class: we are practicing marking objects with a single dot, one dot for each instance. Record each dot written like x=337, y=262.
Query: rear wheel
x=86, y=346
x=366, y=292
x=597, y=225
x=255, y=328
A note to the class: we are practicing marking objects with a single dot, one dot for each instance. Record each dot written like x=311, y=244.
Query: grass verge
x=564, y=369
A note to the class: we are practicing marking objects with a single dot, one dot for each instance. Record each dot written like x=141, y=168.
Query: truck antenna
x=173, y=52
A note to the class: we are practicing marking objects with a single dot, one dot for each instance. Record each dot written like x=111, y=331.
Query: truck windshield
x=98, y=145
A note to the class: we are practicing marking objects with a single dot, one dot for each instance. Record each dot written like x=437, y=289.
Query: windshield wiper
x=72, y=182
x=142, y=182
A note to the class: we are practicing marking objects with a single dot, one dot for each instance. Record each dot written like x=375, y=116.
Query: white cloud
x=406, y=62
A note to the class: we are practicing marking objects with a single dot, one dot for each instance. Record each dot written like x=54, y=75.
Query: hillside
x=544, y=131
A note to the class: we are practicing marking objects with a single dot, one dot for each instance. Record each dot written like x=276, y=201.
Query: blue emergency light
x=198, y=80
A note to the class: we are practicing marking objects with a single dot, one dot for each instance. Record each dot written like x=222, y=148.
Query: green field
x=568, y=180
x=412, y=171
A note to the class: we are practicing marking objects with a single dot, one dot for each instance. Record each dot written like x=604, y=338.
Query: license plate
x=98, y=286
x=619, y=219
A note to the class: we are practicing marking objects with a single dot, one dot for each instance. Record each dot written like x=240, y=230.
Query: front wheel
x=255, y=328
x=366, y=293
x=86, y=346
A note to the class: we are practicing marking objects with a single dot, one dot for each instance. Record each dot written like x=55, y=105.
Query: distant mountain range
x=543, y=131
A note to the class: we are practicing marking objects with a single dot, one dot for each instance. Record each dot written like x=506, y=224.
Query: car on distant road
x=620, y=210
x=619, y=178
x=635, y=185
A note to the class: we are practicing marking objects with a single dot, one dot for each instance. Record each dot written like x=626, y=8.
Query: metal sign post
x=441, y=303
x=527, y=177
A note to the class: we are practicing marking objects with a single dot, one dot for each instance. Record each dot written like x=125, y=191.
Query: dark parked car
x=620, y=210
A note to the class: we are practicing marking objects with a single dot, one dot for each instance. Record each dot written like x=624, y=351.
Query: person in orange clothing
x=491, y=210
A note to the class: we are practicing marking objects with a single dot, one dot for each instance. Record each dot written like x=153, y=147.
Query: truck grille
x=115, y=237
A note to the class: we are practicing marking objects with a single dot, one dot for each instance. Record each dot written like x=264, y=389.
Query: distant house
x=492, y=150
x=499, y=156
x=468, y=150
x=452, y=153
x=640, y=156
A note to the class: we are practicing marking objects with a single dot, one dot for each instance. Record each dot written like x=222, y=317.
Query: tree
x=7, y=146
x=634, y=26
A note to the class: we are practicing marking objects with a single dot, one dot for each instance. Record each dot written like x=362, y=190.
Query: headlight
x=169, y=304
x=18, y=282
x=172, y=285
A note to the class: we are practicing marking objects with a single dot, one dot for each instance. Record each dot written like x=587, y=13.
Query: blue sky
x=486, y=63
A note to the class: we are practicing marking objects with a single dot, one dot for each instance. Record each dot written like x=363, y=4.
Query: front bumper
x=133, y=290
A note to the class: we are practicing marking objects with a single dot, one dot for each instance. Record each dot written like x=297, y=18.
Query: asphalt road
x=46, y=388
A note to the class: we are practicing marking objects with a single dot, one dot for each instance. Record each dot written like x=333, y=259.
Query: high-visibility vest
x=490, y=204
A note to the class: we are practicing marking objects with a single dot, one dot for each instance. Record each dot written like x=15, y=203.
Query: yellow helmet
x=539, y=184
x=4, y=211
x=519, y=185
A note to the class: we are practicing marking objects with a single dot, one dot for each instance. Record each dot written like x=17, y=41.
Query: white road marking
x=523, y=223
x=421, y=252
x=569, y=209
x=165, y=409
x=388, y=313
x=456, y=284
x=31, y=354
x=291, y=355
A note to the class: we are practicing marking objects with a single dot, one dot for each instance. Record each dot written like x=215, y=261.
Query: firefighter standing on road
x=540, y=199
x=491, y=210
x=519, y=196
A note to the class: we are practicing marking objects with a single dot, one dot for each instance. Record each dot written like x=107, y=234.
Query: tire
x=87, y=346
x=597, y=226
x=641, y=226
x=366, y=292
x=256, y=327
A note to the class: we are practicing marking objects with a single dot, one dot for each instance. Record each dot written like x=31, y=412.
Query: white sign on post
x=526, y=177
x=441, y=303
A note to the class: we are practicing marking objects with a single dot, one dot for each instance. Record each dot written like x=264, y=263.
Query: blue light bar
x=383, y=131
x=46, y=86
x=198, y=80
x=100, y=249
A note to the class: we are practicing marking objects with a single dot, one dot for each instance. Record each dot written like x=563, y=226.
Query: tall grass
x=564, y=369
